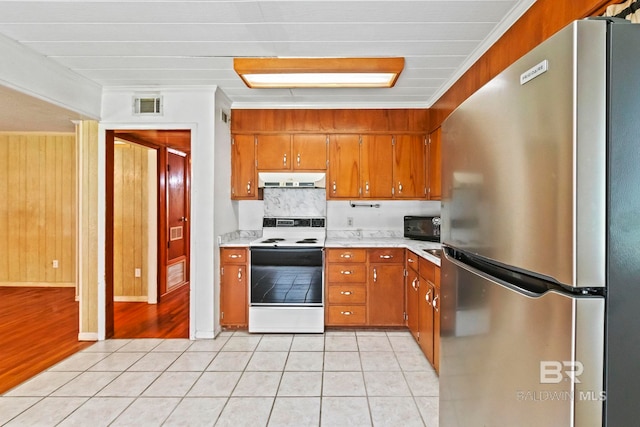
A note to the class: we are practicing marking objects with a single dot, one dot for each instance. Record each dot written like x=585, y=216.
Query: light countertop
x=416, y=246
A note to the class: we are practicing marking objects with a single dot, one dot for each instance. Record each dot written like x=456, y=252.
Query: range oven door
x=286, y=276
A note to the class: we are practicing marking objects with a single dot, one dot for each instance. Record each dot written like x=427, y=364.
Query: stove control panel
x=293, y=222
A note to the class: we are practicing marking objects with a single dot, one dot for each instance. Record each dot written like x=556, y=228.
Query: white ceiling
x=183, y=42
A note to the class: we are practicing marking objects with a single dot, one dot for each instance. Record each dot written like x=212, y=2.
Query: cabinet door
x=425, y=318
x=233, y=295
x=274, y=152
x=385, y=294
x=344, y=166
x=409, y=167
x=436, y=322
x=309, y=152
x=412, y=289
x=376, y=166
x=243, y=167
x=434, y=169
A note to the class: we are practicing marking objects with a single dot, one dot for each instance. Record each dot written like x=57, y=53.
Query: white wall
x=225, y=212
x=184, y=108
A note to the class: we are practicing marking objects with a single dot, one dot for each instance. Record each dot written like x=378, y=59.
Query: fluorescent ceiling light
x=318, y=72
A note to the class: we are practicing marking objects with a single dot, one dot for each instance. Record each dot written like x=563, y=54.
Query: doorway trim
x=105, y=234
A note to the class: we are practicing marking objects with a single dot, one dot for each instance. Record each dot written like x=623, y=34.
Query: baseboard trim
x=204, y=335
x=131, y=299
x=38, y=284
x=88, y=336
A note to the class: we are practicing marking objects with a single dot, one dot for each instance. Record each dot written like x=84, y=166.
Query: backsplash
x=302, y=202
x=388, y=217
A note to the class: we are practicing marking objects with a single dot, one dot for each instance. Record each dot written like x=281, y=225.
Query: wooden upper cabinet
x=435, y=161
x=409, y=167
x=309, y=152
x=274, y=152
x=376, y=166
x=344, y=169
x=243, y=167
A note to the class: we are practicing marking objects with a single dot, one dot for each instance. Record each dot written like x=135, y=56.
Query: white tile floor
x=341, y=378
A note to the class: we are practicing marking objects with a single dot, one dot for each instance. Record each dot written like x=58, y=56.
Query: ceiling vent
x=148, y=105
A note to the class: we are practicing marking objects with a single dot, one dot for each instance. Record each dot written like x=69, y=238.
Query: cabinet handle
x=435, y=303
x=366, y=186
x=386, y=256
x=334, y=187
x=249, y=187
x=298, y=159
x=239, y=274
x=234, y=256
x=346, y=292
x=400, y=187
x=345, y=255
x=375, y=275
x=284, y=159
x=427, y=296
x=346, y=272
x=413, y=284
x=346, y=313
x=410, y=260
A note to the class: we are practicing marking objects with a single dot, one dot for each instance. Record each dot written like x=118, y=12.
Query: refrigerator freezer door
x=523, y=174
x=510, y=358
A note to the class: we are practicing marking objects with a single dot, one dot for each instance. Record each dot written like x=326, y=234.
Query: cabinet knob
x=347, y=255
x=298, y=159
x=386, y=256
x=427, y=296
x=284, y=159
x=346, y=292
x=435, y=303
x=375, y=275
x=346, y=272
x=334, y=187
x=239, y=274
x=346, y=313
x=414, y=284
x=235, y=256
x=400, y=187
x=366, y=186
x=249, y=187
x=410, y=260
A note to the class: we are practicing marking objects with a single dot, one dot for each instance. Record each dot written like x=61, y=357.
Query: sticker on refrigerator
x=534, y=72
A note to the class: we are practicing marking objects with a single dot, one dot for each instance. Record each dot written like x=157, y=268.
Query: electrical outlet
x=55, y=263
x=350, y=221
x=219, y=240
x=138, y=272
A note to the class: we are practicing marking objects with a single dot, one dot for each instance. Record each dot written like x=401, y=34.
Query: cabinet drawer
x=347, y=273
x=387, y=255
x=233, y=255
x=412, y=260
x=347, y=294
x=346, y=255
x=346, y=315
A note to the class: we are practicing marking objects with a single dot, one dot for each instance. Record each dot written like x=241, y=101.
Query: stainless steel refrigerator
x=540, y=285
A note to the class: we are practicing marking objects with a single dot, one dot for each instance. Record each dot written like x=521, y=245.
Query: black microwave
x=422, y=228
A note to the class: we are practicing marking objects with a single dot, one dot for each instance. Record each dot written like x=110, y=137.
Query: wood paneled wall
x=37, y=209
x=88, y=152
x=330, y=121
x=131, y=228
x=542, y=20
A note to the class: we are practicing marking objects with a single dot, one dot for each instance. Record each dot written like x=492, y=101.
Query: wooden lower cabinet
x=412, y=288
x=385, y=287
x=346, y=289
x=436, y=322
x=233, y=288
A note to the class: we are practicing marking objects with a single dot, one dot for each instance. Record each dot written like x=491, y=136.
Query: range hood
x=291, y=179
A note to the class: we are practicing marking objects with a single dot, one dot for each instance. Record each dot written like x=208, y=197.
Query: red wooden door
x=177, y=219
